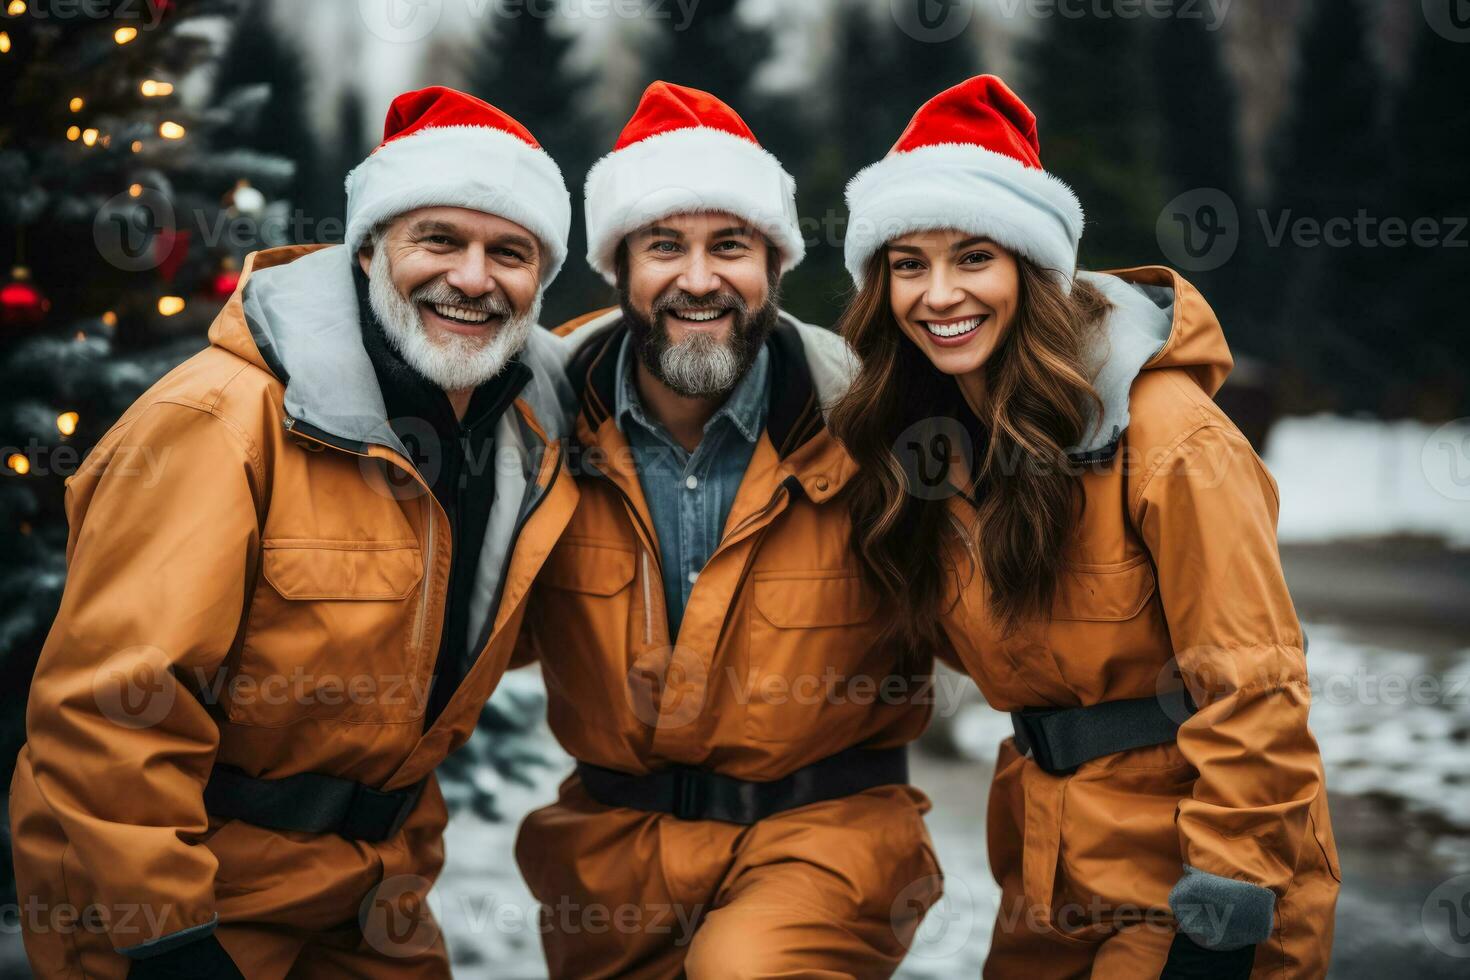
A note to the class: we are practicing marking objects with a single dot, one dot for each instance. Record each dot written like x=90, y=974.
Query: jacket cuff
x=1221, y=913
x=173, y=940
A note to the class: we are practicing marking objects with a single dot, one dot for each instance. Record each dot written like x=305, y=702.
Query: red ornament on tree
x=222, y=286
x=21, y=303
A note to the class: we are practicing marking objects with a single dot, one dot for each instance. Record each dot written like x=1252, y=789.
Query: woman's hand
x=1188, y=960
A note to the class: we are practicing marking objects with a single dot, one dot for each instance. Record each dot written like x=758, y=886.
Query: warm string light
x=135, y=190
x=76, y=103
x=152, y=88
x=19, y=463
x=89, y=136
x=73, y=133
x=170, y=130
x=66, y=423
x=16, y=8
x=4, y=42
x=124, y=34
x=170, y=305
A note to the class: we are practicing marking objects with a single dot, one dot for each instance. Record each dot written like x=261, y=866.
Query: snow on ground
x=1354, y=478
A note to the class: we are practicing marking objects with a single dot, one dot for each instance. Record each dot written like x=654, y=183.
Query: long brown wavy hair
x=1028, y=493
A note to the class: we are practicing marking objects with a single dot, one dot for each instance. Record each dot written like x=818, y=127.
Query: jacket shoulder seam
x=252, y=449
x=1168, y=455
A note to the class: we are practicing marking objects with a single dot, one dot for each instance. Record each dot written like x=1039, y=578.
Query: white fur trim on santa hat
x=969, y=188
x=472, y=167
x=684, y=171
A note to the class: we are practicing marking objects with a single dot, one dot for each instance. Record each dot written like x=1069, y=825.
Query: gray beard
x=454, y=363
x=700, y=366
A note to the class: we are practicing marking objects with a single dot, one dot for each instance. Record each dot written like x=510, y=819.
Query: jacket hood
x=1159, y=321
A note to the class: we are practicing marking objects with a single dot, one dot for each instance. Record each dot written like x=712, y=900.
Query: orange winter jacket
x=775, y=665
x=257, y=577
x=1174, y=562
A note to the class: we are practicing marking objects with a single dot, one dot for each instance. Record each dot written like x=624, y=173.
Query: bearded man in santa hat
x=267, y=645
x=740, y=805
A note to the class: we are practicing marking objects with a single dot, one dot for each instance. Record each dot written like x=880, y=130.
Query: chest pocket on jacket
x=811, y=641
x=1104, y=593
x=335, y=632
x=583, y=612
x=345, y=573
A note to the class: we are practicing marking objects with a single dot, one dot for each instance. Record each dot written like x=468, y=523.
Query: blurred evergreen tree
x=879, y=76
x=1086, y=75
x=1200, y=150
x=118, y=206
x=1321, y=294
x=1431, y=144
x=522, y=64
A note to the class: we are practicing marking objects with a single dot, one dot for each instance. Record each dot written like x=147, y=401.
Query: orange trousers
x=832, y=890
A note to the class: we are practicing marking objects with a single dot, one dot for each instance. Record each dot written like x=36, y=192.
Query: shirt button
x=822, y=483
x=693, y=576
x=691, y=482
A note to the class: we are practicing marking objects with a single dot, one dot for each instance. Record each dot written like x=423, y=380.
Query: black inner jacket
x=457, y=460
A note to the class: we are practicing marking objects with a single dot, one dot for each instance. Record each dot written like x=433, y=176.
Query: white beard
x=453, y=362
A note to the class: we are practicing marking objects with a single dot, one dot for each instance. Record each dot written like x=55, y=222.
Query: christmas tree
x=125, y=210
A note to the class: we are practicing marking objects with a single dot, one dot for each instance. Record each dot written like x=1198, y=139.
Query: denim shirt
x=689, y=494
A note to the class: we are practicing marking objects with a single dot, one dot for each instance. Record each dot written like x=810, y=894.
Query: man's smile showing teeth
x=699, y=316
x=459, y=313
x=950, y=329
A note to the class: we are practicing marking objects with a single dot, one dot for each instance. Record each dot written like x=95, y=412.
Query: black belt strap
x=1059, y=740
x=697, y=794
x=311, y=802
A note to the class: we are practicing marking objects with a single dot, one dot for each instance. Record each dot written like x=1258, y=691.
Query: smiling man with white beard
x=283, y=632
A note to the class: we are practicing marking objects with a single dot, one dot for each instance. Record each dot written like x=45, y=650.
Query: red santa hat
x=685, y=151
x=969, y=160
x=443, y=148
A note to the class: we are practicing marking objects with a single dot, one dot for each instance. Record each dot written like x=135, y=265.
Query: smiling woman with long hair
x=1048, y=496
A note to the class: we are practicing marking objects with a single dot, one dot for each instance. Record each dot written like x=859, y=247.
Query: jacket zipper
x=647, y=604
x=419, y=620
